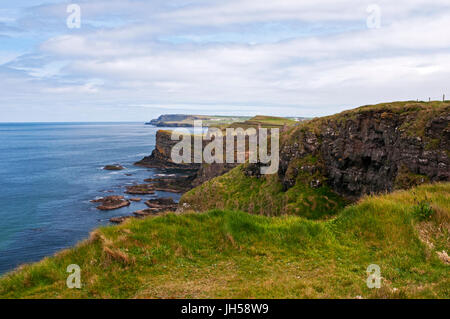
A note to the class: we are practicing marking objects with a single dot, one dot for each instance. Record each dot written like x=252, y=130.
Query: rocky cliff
x=328, y=162
x=161, y=158
x=371, y=149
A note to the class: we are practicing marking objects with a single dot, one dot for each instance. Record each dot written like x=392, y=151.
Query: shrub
x=423, y=211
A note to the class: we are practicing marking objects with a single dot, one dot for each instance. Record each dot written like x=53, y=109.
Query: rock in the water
x=136, y=199
x=143, y=189
x=162, y=204
x=146, y=212
x=115, y=167
x=111, y=202
x=171, y=185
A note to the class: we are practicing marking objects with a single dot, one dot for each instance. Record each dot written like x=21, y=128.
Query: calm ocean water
x=50, y=172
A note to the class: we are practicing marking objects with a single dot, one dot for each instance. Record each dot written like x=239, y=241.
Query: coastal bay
x=49, y=174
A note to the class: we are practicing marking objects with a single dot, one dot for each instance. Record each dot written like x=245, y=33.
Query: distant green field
x=224, y=121
x=259, y=120
x=207, y=120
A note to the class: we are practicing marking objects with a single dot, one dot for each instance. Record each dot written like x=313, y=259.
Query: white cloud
x=315, y=74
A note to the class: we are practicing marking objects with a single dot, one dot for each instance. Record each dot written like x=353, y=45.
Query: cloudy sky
x=132, y=60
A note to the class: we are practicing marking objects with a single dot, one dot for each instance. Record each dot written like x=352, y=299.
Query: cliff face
x=210, y=171
x=161, y=158
x=371, y=149
x=161, y=155
x=368, y=150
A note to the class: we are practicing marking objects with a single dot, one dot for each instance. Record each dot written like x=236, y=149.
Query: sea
x=49, y=172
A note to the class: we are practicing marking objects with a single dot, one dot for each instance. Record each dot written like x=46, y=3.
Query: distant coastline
x=185, y=120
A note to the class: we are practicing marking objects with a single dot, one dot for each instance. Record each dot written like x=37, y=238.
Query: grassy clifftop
x=233, y=254
x=260, y=120
x=420, y=113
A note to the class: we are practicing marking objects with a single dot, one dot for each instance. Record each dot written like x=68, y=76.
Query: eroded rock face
x=371, y=151
x=161, y=156
x=197, y=173
x=111, y=202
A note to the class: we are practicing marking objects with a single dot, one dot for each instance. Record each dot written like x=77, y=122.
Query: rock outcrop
x=162, y=204
x=115, y=167
x=176, y=184
x=161, y=156
x=195, y=173
x=142, y=189
x=111, y=202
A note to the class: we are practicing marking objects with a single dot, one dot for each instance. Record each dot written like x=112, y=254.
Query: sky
x=132, y=60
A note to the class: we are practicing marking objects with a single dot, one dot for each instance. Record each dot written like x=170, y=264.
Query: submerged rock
x=115, y=167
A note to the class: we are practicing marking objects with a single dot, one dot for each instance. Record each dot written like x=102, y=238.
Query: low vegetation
x=231, y=254
x=264, y=196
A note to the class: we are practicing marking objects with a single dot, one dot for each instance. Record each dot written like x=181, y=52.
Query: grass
x=263, y=196
x=231, y=254
x=272, y=120
x=263, y=121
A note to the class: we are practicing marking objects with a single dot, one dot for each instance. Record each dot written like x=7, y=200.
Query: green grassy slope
x=232, y=254
x=263, y=196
